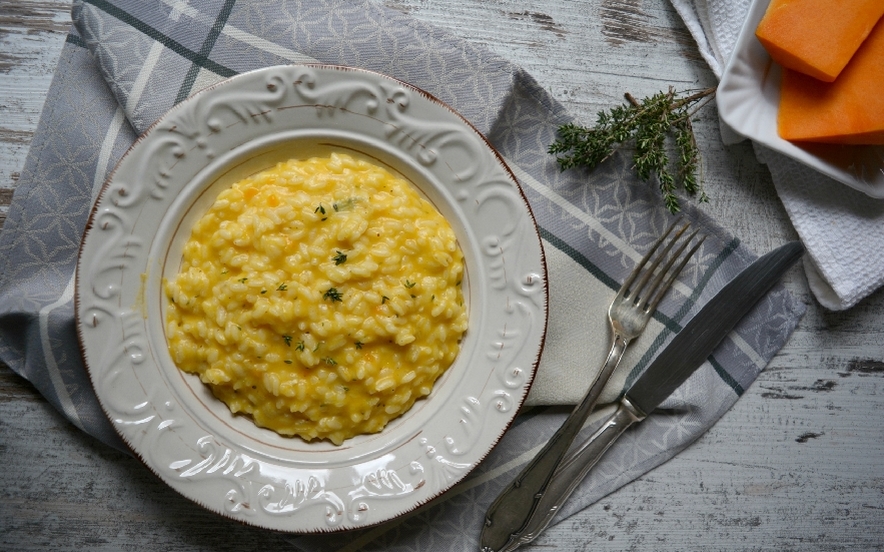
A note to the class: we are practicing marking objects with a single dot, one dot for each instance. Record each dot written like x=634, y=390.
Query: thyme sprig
x=649, y=124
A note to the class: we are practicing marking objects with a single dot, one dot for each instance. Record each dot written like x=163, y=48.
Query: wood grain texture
x=31, y=36
x=795, y=465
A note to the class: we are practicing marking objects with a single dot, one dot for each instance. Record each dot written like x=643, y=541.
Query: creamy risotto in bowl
x=322, y=297
x=311, y=298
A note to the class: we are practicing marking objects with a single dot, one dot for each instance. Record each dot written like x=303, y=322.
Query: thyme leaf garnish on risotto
x=333, y=294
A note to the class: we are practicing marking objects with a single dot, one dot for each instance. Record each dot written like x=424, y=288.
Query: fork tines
x=665, y=276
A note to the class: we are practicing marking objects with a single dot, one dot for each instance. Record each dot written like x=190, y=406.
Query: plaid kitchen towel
x=128, y=61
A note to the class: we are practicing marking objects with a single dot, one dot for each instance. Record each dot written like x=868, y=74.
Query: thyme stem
x=655, y=125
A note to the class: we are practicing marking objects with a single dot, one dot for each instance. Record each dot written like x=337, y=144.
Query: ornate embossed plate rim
x=232, y=467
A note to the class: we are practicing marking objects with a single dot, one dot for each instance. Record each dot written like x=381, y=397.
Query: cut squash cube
x=817, y=37
x=847, y=111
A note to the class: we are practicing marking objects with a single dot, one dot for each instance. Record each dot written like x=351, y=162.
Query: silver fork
x=629, y=313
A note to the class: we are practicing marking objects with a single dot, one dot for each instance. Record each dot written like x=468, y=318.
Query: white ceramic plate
x=172, y=421
x=748, y=96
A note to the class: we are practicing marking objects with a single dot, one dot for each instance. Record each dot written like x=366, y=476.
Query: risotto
x=321, y=297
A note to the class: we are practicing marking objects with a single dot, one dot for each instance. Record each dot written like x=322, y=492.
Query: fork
x=628, y=315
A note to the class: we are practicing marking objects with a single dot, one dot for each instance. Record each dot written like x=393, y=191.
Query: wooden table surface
x=796, y=464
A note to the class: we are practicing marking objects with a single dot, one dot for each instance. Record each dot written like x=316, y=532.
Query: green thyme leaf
x=345, y=205
x=333, y=294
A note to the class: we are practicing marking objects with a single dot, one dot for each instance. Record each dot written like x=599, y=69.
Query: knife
x=685, y=353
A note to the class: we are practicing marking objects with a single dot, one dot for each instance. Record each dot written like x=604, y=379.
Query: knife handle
x=510, y=512
x=574, y=469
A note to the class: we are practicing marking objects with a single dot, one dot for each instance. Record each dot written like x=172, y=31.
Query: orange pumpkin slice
x=817, y=37
x=847, y=111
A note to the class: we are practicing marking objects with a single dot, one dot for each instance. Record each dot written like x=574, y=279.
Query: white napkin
x=842, y=229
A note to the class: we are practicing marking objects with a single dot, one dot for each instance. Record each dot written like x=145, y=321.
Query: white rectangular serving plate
x=748, y=97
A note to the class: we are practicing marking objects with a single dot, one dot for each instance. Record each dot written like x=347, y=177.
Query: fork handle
x=573, y=470
x=510, y=513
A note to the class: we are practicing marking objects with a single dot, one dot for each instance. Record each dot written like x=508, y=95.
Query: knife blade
x=685, y=353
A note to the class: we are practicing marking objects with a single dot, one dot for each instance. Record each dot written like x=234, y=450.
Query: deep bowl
x=134, y=239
